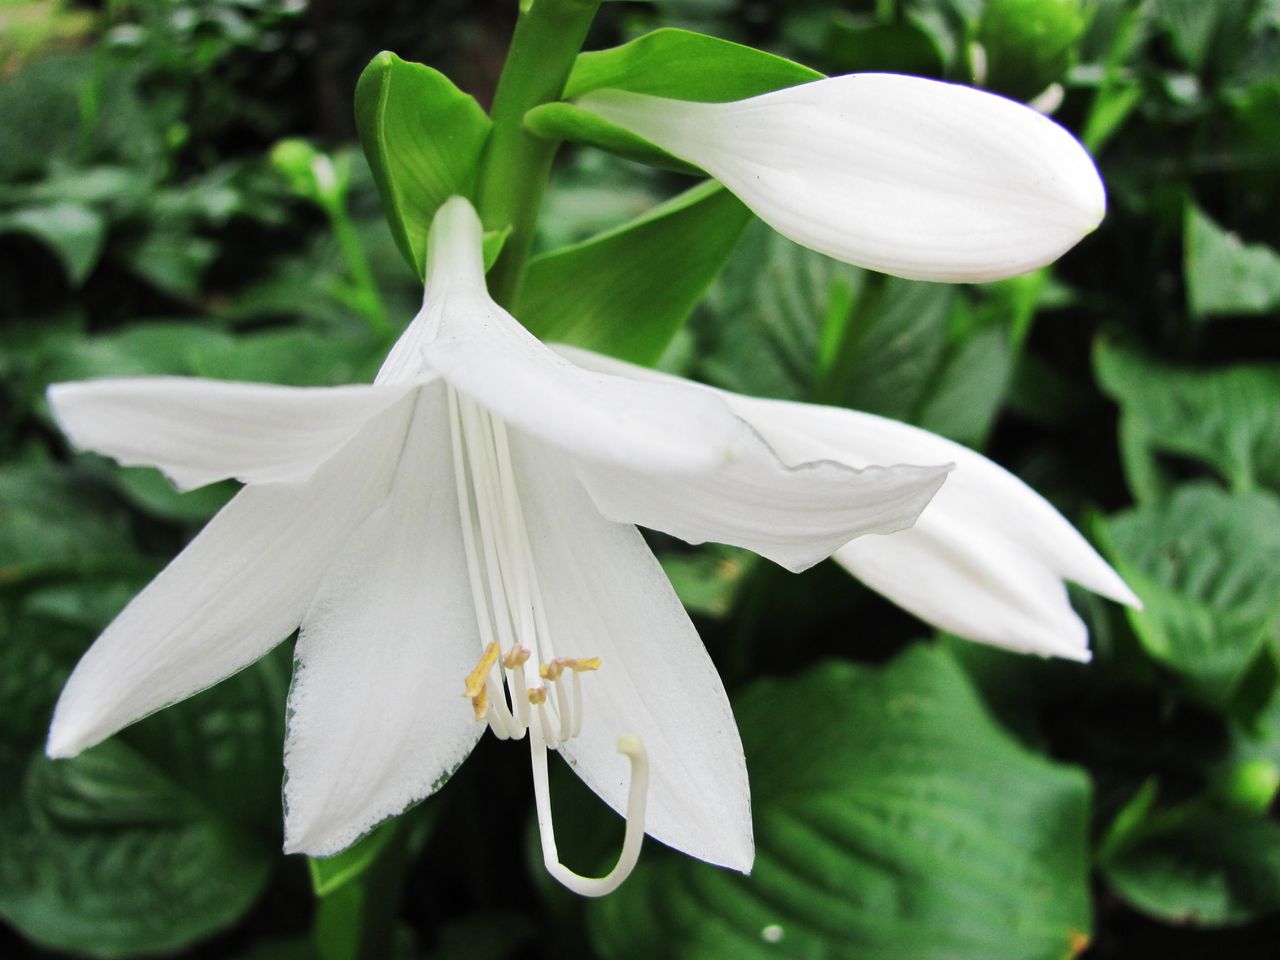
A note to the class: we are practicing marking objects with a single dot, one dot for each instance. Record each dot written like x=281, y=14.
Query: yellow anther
x=515, y=657
x=552, y=670
x=476, y=678
x=480, y=704
x=538, y=695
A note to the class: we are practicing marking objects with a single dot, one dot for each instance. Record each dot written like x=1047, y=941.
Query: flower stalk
x=516, y=164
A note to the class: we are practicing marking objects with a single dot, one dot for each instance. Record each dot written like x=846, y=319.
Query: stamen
x=476, y=682
x=631, y=746
x=513, y=627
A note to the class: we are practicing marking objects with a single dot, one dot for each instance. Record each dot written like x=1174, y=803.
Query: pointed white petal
x=376, y=719
x=481, y=350
x=607, y=596
x=987, y=558
x=199, y=431
x=794, y=510
x=795, y=513
x=235, y=592
x=912, y=177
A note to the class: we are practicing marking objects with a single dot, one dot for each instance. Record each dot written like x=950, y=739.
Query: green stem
x=344, y=232
x=516, y=164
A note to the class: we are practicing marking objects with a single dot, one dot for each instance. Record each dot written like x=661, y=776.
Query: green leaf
x=156, y=838
x=1206, y=565
x=1202, y=866
x=1225, y=276
x=330, y=873
x=55, y=524
x=72, y=231
x=864, y=45
x=1225, y=418
x=764, y=325
x=670, y=63
x=296, y=357
x=1029, y=43
x=708, y=579
x=423, y=138
x=1209, y=37
x=626, y=292
x=171, y=258
x=893, y=819
x=683, y=65
x=786, y=322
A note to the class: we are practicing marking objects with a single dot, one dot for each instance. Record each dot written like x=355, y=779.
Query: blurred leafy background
x=915, y=795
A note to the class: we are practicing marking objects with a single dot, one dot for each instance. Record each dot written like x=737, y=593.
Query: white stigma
x=519, y=685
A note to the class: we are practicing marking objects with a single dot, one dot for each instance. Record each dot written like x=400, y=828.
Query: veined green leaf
x=893, y=818
x=152, y=840
x=626, y=292
x=1224, y=418
x=1202, y=865
x=423, y=138
x=1206, y=564
x=71, y=230
x=1225, y=276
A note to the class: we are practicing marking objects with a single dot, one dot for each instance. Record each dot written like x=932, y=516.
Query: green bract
x=423, y=138
x=626, y=292
x=665, y=63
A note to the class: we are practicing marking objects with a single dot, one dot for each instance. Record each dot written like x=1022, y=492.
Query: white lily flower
x=463, y=525
x=987, y=559
x=912, y=177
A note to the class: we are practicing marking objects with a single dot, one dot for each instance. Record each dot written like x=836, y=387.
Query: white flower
x=912, y=177
x=464, y=524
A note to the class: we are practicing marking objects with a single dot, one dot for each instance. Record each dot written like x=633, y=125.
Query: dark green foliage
x=913, y=798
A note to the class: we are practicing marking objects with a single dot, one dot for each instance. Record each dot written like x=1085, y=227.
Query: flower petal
x=375, y=717
x=200, y=431
x=796, y=514
x=987, y=558
x=913, y=177
x=236, y=591
x=484, y=352
x=606, y=596
x=794, y=510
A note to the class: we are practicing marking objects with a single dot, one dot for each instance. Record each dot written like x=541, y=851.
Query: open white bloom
x=913, y=177
x=464, y=526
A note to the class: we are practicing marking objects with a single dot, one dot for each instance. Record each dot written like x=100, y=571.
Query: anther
x=515, y=657
x=476, y=682
x=538, y=695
